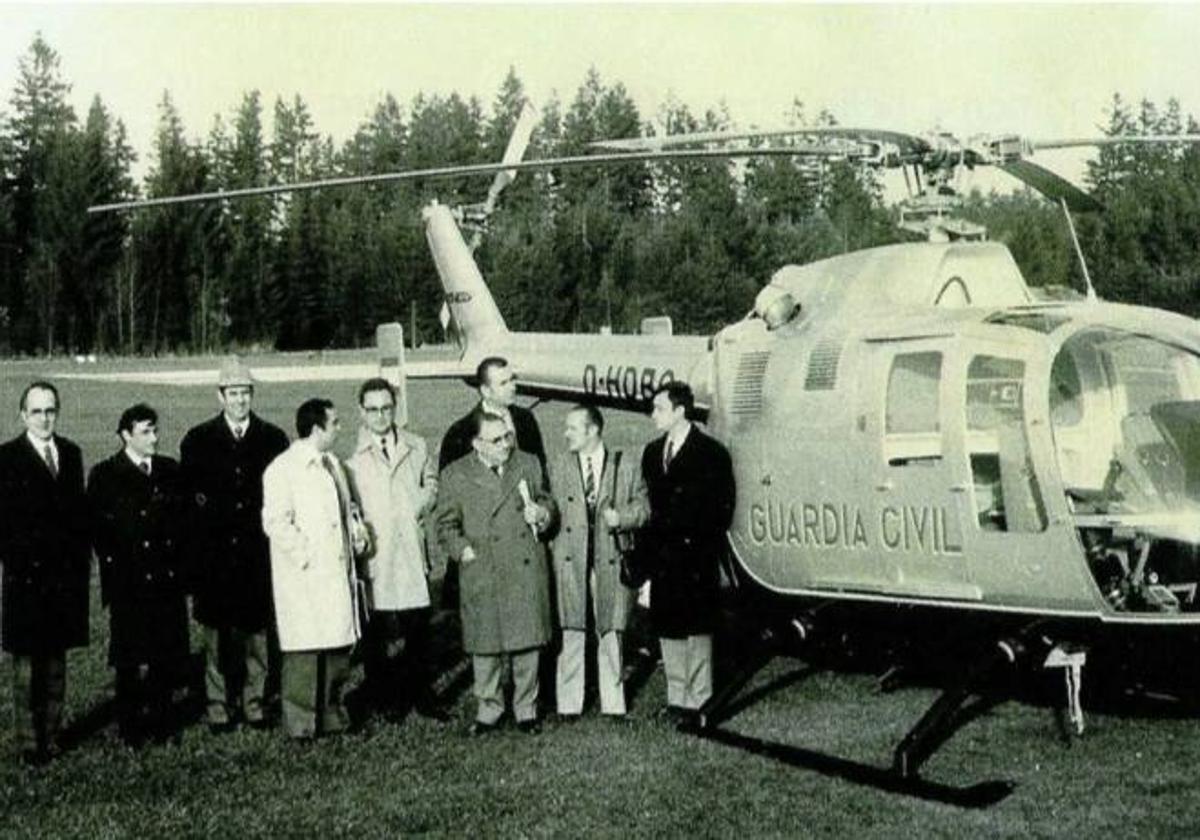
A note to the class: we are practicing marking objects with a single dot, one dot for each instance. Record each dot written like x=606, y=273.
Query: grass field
x=1133, y=774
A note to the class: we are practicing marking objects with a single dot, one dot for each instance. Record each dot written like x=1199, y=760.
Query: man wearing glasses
x=396, y=484
x=492, y=509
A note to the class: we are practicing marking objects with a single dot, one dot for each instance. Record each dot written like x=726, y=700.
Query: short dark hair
x=377, y=383
x=139, y=413
x=481, y=370
x=479, y=416
x=39, y=385
x=594, y=417
x=312, y=412
x=679, y=393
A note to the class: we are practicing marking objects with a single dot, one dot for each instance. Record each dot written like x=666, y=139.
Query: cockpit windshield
x=1125, y=411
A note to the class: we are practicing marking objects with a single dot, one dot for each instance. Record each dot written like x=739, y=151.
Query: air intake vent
x=748, y=386
x=823, y=365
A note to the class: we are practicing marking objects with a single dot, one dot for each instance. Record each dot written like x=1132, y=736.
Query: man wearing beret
x=223, y=461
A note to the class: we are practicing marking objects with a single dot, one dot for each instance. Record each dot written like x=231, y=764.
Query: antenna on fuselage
x=1087, y=278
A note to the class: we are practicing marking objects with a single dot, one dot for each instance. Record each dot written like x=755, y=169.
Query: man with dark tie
x=316, y=534
x=497, y=384
x=690, y=481
x=223, y=460
x=601, y=500
x=139, y=509
x=47, y=562
x=492, y=508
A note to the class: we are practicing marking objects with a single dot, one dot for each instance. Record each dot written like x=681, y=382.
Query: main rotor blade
x=476, y=169
x=1051, y=185
x=517, y=144
x=1114, y=140
x=906, y=142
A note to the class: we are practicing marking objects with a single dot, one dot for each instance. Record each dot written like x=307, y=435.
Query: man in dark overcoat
x=139, y=510
x=492, y=507
x=497, y=385
x=223, y=460
x=689, y=478
x=47, y=565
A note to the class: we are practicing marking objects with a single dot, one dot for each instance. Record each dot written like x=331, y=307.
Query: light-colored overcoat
x=396, y=495
x=306, y=514
x=620, y=487
x=505, y=590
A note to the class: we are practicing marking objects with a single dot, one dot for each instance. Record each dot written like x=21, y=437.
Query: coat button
x=148, y=576
x=526, y=561
x=233, y=540
x=145, y=543
x=142, y=512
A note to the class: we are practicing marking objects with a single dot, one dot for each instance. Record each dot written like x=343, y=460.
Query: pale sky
x=1038, y=70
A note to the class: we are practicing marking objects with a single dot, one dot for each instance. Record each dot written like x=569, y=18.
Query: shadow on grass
x=981, y=795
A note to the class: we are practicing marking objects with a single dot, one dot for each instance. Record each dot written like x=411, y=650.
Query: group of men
x=294, y=558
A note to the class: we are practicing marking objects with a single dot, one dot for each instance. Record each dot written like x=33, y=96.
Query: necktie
x=497, y=469
x=51, y=464
x=668, y=455
x=144, y=466
x=589, y=483
x=383, y=445
x=239, y=432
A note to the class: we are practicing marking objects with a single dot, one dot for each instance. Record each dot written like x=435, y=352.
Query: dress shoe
x=689, y=722
x=222, y=727
x=567, y=719
x=530, y=727
x=479, y=728
x=433, y=712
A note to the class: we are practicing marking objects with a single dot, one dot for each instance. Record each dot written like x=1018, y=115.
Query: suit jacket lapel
x=37, y=463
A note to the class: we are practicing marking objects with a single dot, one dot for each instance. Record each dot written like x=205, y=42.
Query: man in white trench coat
x=395, y=481
x=315, y=532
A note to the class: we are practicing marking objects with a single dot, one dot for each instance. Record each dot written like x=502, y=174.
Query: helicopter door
x=915, y=509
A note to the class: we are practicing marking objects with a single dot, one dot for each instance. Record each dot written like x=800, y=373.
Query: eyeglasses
x=507, y=437
x=379, y=409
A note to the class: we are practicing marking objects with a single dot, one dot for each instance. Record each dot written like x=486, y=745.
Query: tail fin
x=471, y=304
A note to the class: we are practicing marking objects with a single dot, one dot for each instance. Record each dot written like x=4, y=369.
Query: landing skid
x=957, y=705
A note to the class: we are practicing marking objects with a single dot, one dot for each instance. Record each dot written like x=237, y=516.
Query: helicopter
x=912, y=430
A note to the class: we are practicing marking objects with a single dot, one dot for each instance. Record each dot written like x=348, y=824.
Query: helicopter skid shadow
x=981, y=795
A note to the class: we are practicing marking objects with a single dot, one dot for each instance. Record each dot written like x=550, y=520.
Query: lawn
x=1132, y=774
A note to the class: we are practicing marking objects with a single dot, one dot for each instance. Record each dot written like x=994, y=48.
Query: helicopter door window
x=1007, y=496
x=912, y=431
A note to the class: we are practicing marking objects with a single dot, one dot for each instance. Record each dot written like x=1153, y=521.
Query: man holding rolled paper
x=491, y=512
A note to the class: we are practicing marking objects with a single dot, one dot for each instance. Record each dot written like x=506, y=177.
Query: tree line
x=574, y=249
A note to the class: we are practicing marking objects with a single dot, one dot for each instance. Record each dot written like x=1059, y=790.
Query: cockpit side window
x=1007, y=495
x=912, y=428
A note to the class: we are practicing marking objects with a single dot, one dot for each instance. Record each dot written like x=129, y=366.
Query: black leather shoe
x=530, y=727
x=433, y=712
x=689, y=722
x=566, y=719
x=479, y=728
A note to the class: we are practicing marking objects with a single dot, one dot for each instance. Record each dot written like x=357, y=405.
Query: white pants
x=569, y=675
x=688, y=665
x=489, y=670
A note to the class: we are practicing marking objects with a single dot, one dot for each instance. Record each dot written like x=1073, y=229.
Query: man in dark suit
x=223, y=460
x=139, y=510
x=690, y=482
x=497, y=384
x=47, y=565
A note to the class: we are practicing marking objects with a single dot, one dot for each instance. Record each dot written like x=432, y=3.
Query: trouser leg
x=24, y=726
x=335, y=673
x=569, y=673
x=54, y=685
x=487, y=670
x=130, y=701
x=609, y=672
x=158, y=688
x=525, y=684
x=216, y=658
x=299, y=693
x=414, y=666
x=699, y=671
x=254, y=689
x=383, y=644
x=674, y=655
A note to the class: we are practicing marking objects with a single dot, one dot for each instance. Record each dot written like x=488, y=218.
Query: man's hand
x=468, y=554
x=611, y=518
x=536, y=515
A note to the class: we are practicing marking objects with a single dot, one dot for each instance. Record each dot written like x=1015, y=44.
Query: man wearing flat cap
x=223, y=461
